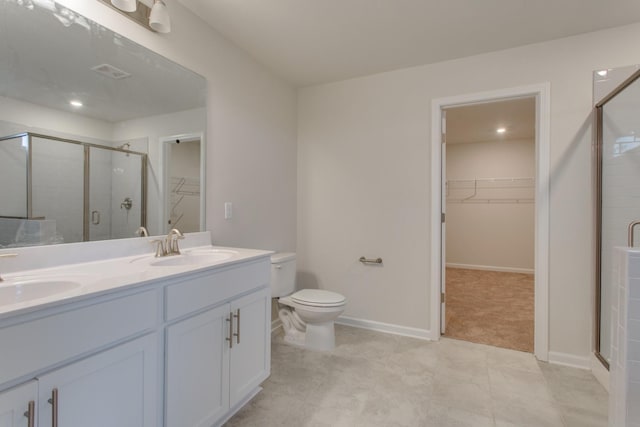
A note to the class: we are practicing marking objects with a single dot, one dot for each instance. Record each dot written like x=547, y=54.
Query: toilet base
x=314, y=336
x=320, y=336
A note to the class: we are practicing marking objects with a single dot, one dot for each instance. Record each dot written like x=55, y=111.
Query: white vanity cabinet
x=116, y=387
x=179, y=350
x=250, y=356
x=91, y=364
x=217, y=358
x=17, y=405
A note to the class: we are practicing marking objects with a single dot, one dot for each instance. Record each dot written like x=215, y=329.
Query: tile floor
x=376, y=379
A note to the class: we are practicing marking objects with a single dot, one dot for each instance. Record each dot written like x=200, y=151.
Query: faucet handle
x=142, y=232
x=160, y=249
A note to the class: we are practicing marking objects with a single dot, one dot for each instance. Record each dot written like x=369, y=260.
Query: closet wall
x=490, y=217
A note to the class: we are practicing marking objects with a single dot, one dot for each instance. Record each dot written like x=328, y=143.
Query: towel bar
x=370, y=261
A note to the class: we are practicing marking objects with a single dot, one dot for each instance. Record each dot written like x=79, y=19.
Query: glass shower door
x=619, y=190
x=58, y=186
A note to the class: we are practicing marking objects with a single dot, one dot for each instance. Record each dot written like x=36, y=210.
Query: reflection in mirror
x=85, y=177
x=183, y=181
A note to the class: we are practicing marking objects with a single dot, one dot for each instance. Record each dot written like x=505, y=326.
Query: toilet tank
x=283, y=274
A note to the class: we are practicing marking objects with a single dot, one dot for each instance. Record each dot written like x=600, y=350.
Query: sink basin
x=16, y=291
x=197, y=256
x=194, y=257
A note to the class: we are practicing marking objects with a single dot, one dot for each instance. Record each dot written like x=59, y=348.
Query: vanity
x=132, y=339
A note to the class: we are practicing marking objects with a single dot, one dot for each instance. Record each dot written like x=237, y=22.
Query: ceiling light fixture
x=151, y=14
x=75, y=103
x=125, y=5
x=159, y=18
x=501, y=130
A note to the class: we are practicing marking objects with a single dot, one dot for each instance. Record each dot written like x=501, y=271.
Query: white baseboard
x=599, y=371
x=569, y=360
x=389, y=328
x=491, y=268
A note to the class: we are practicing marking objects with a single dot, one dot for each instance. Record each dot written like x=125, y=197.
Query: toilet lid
x=318, y=297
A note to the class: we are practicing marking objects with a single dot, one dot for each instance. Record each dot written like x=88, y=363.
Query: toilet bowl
x=307, y=315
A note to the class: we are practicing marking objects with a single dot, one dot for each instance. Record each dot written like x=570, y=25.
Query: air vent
x=110, y=71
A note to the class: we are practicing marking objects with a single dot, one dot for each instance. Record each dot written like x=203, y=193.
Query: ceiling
x=47, y=54
x=479, y=122
x=316, y=41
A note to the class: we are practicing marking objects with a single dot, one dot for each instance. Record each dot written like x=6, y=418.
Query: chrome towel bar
x=370, y=261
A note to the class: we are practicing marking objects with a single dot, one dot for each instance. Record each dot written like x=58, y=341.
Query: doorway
x=540, y=93
x=488, y=250
x=184, y=183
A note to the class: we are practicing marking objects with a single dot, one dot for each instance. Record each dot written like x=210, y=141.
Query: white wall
x=364, y=179
x=496, y=235
x=251, y=127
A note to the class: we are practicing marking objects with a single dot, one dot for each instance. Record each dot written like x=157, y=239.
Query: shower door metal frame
x=598, y=159
x=87, y=169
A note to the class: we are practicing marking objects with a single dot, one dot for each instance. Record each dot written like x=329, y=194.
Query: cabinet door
x=197, y=375
x=14, y=405
x=251, y=354
x=117, y=387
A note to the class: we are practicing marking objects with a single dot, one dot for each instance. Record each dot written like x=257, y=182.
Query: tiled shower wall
x=624, y=390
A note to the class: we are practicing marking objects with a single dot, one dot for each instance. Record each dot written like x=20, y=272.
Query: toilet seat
x=318, y=298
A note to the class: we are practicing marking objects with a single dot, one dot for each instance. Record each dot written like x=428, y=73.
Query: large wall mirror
x=85, y=118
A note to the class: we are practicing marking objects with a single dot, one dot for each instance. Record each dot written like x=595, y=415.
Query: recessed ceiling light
x=75, y=103
x=602, y=73
x=501, y=130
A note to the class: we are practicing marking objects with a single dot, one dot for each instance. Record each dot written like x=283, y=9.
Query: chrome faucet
x=142, y=232
x=171, y=242
x=168, y=246
x=7, y=256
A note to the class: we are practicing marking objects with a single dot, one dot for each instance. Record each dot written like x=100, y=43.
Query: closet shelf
x=491, y=190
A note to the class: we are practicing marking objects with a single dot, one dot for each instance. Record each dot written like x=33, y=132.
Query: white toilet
x=307, y=316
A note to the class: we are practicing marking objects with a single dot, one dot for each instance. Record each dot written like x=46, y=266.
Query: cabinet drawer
x=218, y=286
x=34, y=345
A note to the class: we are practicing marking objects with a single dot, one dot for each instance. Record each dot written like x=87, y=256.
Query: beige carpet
x=490, y=307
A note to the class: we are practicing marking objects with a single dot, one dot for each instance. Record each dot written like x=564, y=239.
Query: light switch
x=228, y=210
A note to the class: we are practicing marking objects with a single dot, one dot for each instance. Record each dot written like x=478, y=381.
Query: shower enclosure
x=618, y=194
x=56, y=190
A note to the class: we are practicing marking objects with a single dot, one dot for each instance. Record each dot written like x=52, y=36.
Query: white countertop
x=102, y=276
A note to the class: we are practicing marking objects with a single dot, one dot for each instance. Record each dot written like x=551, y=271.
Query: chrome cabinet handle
x=230, y=339
x=54, y=407
x=31, y=414
x=237, y=334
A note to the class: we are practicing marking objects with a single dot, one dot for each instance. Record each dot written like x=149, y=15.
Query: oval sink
x=191, y=258
x=26, y=290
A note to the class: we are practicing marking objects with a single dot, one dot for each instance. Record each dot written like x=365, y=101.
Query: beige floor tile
x=374, y=379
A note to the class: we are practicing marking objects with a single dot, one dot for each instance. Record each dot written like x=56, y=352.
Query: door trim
x=542, y=93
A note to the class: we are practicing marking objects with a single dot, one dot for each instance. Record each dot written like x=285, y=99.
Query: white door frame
x=542, y=93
